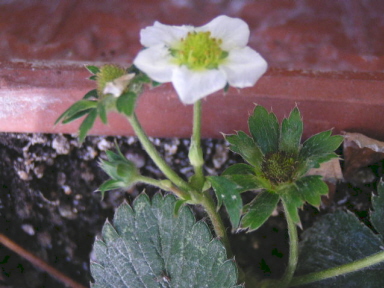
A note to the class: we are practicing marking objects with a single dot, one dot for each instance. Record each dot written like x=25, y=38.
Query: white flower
x=200, y=60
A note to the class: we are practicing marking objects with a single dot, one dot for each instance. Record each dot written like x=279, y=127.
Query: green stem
x=195, y=151
x=155, y=156
x=207, y=202
x=339, y=270
x=165, y=185
x=293, y=249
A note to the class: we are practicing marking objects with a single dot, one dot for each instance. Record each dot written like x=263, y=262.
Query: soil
x=49, y=206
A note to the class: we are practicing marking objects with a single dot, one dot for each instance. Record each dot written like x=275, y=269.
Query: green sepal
x=291, y=131
x=87, y=125
x=239, y=168
x=245, y=146
x=227, y=193
x=259, y=210
x=76, y=108
x=92, y=69
x=292, y=202
x=320, y=145
x=108, y=185
x=126, y=103
x=310, y=188
x=93, y=77
x=102, y=111
x=264, y=129
x=112, y=156
x=178, y=205
x=76, y=116
x=246, y=182
x=91, y=94
x=155, y=84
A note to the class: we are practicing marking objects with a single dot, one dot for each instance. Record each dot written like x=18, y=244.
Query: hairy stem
x=293, y=249
x=155, y=156
x=165, y=185
x=195, y=151
x=339, y=270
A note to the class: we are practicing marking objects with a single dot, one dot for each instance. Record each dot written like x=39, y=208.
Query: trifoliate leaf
x=247, y=148
x=264, y=129
x=337, y=239
x=259, y=210
x=377, y=215
x=227, y=193
x=148, y=246
x=291, y=131
x=87, y=125
x=77, y=107
x=126, y=103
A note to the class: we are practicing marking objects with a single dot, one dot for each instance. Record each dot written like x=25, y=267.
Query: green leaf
x=264, y=129
x=245, y=146
x=91, y=94
x=102, y=111
x=92, y=69
x=240, y=168
x=87, y=125
x=148, y=246
x=227, y=193
x=310, y=189
x=93, y=77
x=291, y=131
x=259, y=210
x=337, y=239
x=76, y=108
x=126, y=103
x=377, y=215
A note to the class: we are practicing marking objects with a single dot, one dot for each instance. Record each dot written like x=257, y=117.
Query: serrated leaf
x=377, y=215
x=227, y=193
x=152, y=248
x=337, y=239
x=76, y=116
x=248, y=182
x=259, y=210
x=291, y=131
x=87, y=125
x=126, y=103
x=245, y=146
x=310, y=189
x=91, y=94
x=264, y=129
x=76, y=108
x=92, y=69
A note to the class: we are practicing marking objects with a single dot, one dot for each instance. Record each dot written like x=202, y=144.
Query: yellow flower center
x=199, y=51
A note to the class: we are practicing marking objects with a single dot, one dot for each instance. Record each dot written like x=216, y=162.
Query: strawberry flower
x=200, y=60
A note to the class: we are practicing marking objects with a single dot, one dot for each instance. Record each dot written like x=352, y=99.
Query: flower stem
x=195, y=152
x=155, y=156
x=165, y=185
x=207, y=202
x=293, y=249
x=339, y=270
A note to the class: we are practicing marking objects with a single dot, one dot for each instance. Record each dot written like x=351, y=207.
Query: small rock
x=28, y=228
x=61, y=145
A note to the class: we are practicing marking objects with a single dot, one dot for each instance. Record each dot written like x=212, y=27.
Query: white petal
x=233, y=31
x=117, y=86
x=193, y=85
x=156, y=63
x=163, y=34
x=244, y=67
